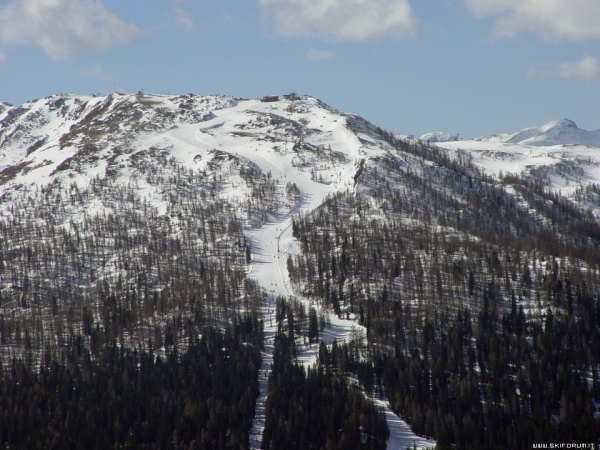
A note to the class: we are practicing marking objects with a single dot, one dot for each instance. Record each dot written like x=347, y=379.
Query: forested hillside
x=209, y=272
x=479, y=297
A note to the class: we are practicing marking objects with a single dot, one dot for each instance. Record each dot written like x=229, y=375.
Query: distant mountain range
x=558, y=132
x=561, y=132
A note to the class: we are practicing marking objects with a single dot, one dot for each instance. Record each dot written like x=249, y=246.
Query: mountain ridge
x=557, y=132
x=560, y=132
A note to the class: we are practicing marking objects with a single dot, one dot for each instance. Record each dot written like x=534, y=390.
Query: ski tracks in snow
x=271, y=243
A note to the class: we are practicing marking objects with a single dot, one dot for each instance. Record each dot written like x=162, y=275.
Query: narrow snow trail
x=270, y=271
x=273, y=242
x=401, y=436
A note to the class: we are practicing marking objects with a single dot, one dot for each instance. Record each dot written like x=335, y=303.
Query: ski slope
x=273, y=242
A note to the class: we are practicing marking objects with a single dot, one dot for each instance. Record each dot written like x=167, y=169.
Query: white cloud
x=554, y=20
x=341, y=20
x=585, y=70
x=63, y=28
x=185, y=21
x=317, y=54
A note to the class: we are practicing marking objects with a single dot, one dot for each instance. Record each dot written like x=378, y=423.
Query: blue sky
x=472, y=67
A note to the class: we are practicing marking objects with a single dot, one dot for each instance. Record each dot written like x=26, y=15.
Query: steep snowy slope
x=4, y=108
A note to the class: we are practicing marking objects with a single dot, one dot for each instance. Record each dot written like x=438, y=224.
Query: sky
x=466, y=67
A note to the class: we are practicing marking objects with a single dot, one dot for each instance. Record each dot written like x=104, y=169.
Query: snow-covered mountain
x=560, y=132
x=78, y=137
x=143, y=218
x=42, y=138
x=559, y=154
x=436, y=136
x=218, y=175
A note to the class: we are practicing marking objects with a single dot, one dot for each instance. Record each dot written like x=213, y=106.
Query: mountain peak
x=565, y=123
x=560, y=132
x=436, y=136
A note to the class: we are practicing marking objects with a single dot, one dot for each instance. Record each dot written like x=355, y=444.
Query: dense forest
x=201, y=397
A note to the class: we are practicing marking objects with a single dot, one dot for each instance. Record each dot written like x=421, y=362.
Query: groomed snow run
x=273, y=242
